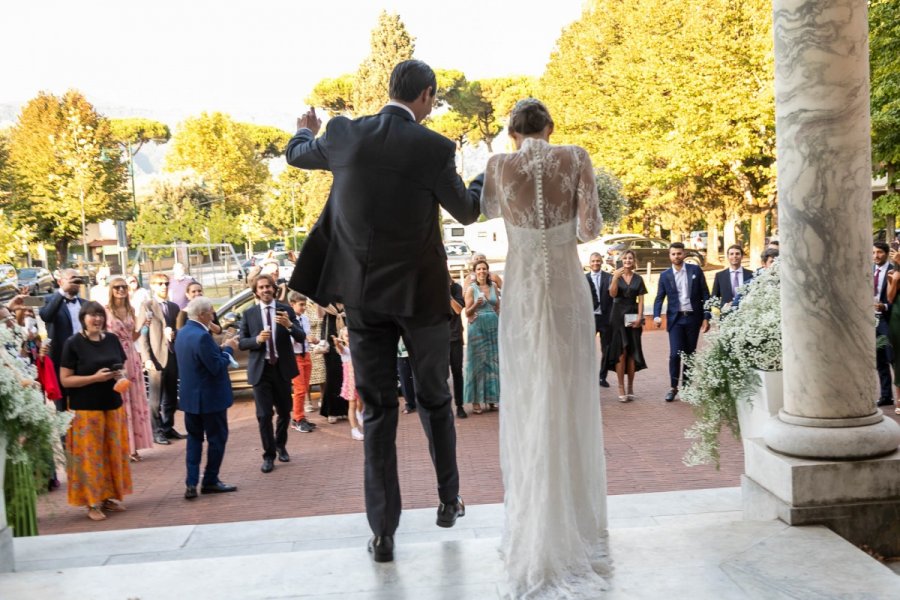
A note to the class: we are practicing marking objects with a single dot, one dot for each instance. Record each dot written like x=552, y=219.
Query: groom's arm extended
x=304, y=151
x=464, y=204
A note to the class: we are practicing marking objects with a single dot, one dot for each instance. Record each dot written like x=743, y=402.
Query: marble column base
x=858, y=500
x=839, y=439
x=7, y=558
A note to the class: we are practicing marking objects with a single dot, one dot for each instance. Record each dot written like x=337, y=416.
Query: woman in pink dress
x=120, y=321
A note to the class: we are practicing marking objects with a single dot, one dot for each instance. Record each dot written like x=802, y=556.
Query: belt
x=684, y=313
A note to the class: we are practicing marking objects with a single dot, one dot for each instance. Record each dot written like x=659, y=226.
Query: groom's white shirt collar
x=404, y=107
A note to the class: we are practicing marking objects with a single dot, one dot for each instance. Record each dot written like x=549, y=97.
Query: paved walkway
x=644, y=447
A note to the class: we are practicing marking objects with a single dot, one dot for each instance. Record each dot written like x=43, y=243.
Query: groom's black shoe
x=382, y=548
x=448, y=513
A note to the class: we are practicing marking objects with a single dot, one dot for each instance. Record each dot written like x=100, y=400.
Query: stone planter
x=753, y=414
x=7, y=560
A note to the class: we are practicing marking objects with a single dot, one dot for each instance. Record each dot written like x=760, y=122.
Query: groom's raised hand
x=310, y=121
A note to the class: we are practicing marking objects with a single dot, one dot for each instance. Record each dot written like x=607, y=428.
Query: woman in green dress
x=482, y=376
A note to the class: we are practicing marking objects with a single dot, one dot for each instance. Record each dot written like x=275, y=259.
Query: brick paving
x=644, y=447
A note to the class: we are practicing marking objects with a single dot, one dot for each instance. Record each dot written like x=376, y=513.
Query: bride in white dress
x=551, y=436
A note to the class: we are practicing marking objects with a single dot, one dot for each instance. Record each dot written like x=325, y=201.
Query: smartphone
x=117, y=367
x=33, y=301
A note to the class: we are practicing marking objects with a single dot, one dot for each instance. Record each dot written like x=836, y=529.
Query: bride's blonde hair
x=529, y=116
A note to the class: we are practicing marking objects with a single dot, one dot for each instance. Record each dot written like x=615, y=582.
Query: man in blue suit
x=685, y=287
x=205, y=396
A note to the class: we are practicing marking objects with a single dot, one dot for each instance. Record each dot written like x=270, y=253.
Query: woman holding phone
x=97, y=444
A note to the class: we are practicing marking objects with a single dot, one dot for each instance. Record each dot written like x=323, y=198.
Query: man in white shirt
x=598, y=282
x=884, y=354
x=728, y=281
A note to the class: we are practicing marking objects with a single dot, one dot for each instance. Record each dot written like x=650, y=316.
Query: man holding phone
x=60, y=315
x=268, y=331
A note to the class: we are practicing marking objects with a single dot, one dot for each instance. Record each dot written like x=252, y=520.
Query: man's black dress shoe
x=267, y=466
x=190, y=492
x=448, y=513
x=217, y=488
x=670, y=397
x=161, y=439
x=283, y=455
x=382, y=548
x=174, y=435
x=885, y=402
x=604, y=383
x=461, y=413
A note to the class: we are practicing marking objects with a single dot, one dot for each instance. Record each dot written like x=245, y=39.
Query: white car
x=459, y=255
x=602, y=244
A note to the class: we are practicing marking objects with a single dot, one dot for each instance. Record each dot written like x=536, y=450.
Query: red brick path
x=644, y=447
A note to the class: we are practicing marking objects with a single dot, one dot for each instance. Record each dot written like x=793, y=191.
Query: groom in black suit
x=377, y=248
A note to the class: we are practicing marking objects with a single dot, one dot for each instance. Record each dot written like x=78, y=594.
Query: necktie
x=270, y=343
x=877, y=273
x=735, y=282
x=597, y=286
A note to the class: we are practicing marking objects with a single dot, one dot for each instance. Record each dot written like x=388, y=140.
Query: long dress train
x=551, y=435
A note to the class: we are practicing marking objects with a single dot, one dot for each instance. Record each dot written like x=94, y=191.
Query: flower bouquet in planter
x=742, y=339
x=30, y=429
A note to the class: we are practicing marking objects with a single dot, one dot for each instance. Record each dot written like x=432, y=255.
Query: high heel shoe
x=623, y=397
x=630, y=394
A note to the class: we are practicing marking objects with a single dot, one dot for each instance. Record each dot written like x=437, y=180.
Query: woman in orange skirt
x=97, y=443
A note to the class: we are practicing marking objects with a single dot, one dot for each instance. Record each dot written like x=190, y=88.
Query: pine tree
x=390, y=44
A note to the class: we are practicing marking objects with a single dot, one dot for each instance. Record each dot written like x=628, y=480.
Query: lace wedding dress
x=551, y=436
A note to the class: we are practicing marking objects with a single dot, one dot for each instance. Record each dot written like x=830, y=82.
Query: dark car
x=229, y=316
x=37, y=280
x=651, y=251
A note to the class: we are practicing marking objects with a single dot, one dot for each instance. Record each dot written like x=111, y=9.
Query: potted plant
x=735, y=378
x=30, y=429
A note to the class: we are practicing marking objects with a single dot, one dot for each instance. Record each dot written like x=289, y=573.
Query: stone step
x=668, y=545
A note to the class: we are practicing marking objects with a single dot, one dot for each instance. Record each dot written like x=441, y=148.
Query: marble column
x=825, y=227
x=830, y=456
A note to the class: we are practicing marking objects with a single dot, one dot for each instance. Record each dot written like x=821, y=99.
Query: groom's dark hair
x=409, y=79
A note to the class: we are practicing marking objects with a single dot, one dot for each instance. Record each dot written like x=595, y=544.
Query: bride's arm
x=589, y=219
x=490, y=193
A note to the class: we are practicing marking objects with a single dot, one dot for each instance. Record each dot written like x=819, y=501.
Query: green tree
x=133, y=133
x=269, y=142
x=609, y=192
x=334, y=95
x=390, y=44
x=225, y=155
x=884, y=63
x=58, y=155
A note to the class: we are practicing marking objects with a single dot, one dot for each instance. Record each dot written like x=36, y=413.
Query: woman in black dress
x=626, y=322
x=333, y=406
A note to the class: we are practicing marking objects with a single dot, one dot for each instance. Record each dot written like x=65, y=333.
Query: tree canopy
x=390, y=44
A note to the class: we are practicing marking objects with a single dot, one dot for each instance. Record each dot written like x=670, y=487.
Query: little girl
x=348, y=389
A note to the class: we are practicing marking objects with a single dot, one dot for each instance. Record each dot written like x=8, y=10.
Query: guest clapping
x=482, y=378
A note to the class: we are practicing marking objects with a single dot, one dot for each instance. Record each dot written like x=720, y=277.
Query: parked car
x=229, y=316
x=698, y=240
x=8, y=273
x=37, y=280
x=602, y=245
x=459, y=255
x=278, y=247
x=651, y=251
x=8, y=290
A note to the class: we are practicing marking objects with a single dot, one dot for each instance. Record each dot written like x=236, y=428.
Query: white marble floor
x=667, y=545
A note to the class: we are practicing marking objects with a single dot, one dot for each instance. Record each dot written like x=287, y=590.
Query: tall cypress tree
x=390, y=44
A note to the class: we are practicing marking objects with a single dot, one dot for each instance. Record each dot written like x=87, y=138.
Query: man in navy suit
x=729, y=280
x=598, y=281
x=884, y=354
x=60, y=315
x=268, y=331
x=685, y=287
x=377, y=248
x=204, y=396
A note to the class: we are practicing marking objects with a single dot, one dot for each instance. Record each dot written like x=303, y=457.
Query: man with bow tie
x=60, y=315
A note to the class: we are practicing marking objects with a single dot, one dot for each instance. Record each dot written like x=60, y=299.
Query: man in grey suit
x=377, y=248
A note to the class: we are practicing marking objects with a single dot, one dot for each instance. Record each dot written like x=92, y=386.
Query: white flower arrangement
x=31, y=426
x=740, y=339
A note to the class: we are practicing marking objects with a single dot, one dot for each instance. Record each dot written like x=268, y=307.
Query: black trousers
x=273, y=397
x=215, y=427
x=603, y=331
x=407, y=382
x=883, y=358
x=456, y=370
x=164, y=396
x=373, y=339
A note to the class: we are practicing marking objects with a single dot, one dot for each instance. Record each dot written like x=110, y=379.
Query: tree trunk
x=731, y=221
x=757, y=237
x=712, y=241
x=62, y=253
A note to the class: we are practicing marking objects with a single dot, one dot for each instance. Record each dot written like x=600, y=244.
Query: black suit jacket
x=252, y=325
x=884, y=317
x=601, y=321
x=722, y=285
x=58, y=321
x=377, y=244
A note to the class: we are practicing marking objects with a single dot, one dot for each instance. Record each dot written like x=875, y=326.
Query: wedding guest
x=270, y=267
x=495, y=278
x=883, y=353
x=300, y=383
x=768, y=256
x=482, y=377
x=598, y=282
x=60, y=316
x=205, y=397
x=348, y=388
x=625, y=353
x=97, y=444
x=317, y=373
x=195, y=290
x=727, y=281
x=457, y=303
x=178, y=286
x=120, y=319
x=100, y=292
x=138, y=295
x=333, y=406
x=893, y=286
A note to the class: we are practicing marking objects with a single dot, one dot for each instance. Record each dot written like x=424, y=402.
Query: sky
x=252, y=58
